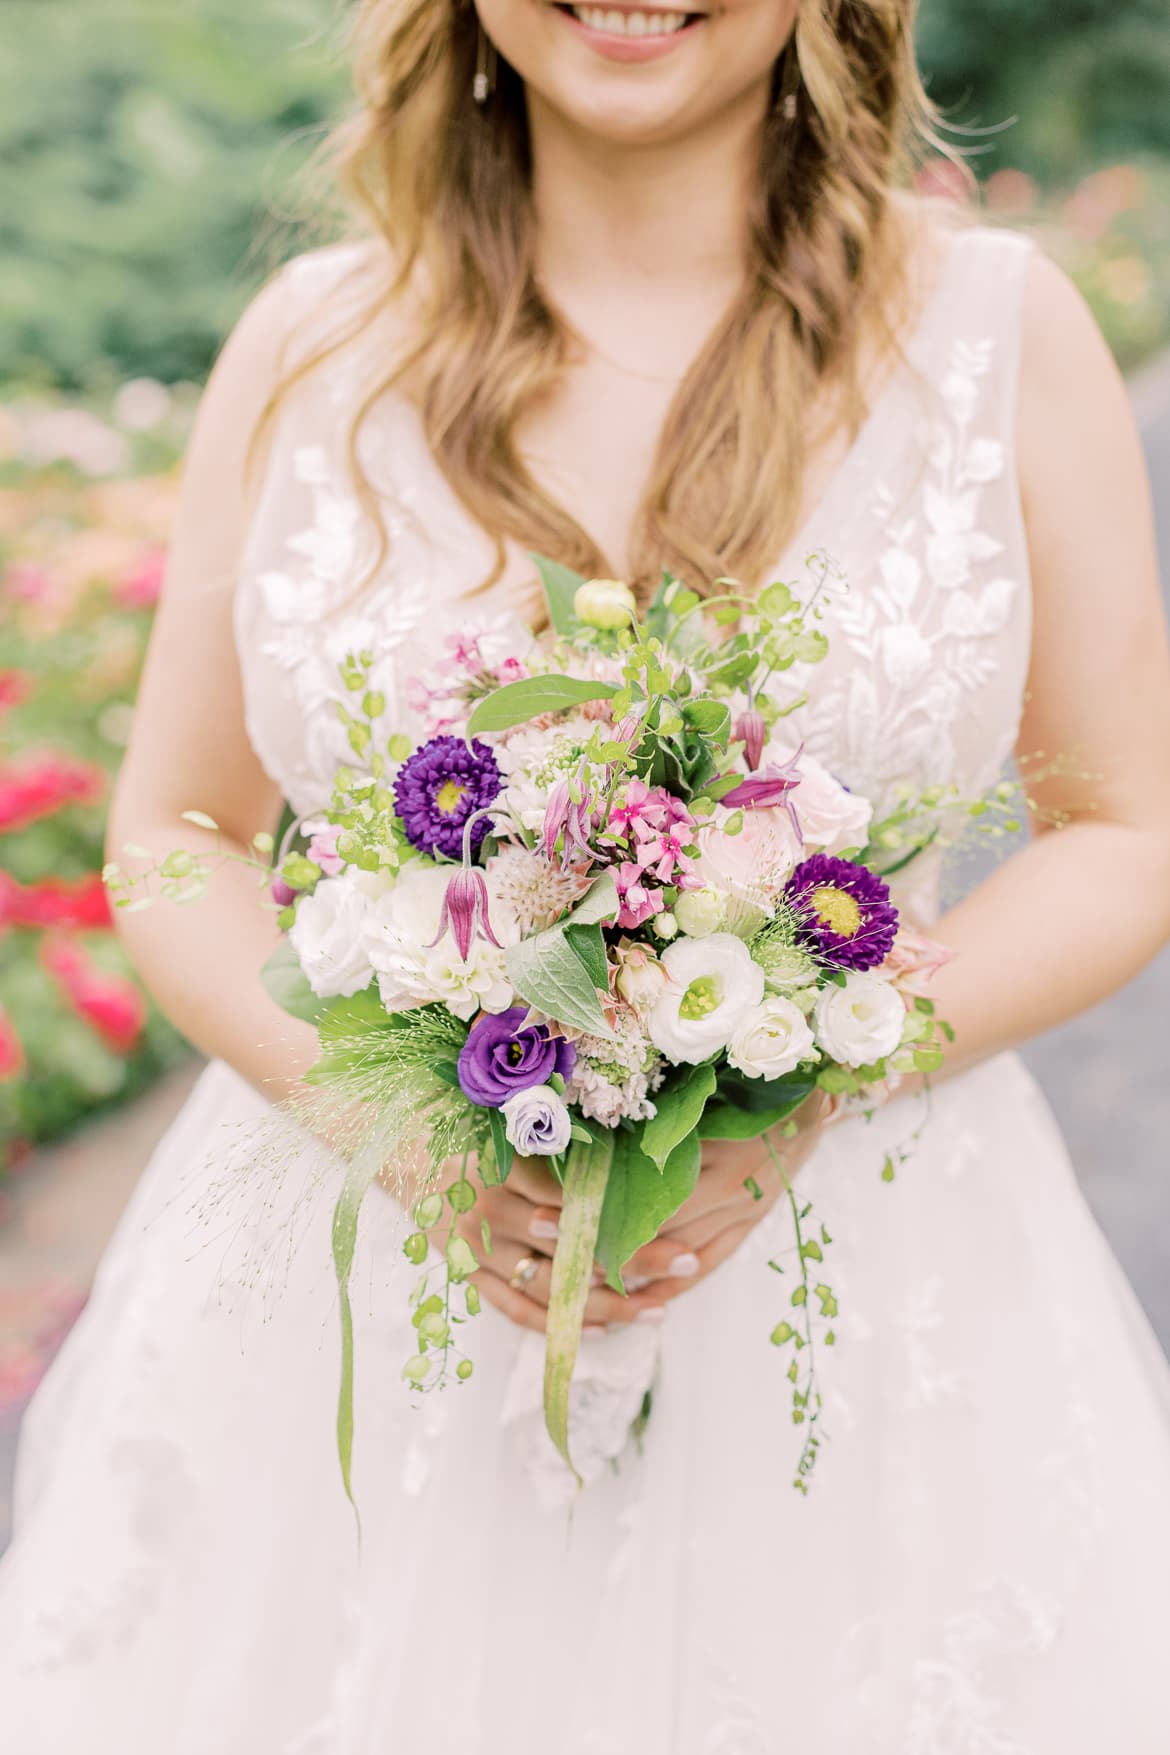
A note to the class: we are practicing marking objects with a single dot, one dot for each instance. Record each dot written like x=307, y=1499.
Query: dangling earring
x=789, y=83
x=486, y=61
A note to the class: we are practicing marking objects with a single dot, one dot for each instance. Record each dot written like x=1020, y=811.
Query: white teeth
x=630, y=24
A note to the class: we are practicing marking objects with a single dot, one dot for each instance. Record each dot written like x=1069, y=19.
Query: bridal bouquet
x=597, y=910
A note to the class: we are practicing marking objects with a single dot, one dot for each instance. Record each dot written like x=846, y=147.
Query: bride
x=637, y=287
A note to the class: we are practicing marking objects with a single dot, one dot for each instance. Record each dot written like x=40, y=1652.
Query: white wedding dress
x=982, y=1566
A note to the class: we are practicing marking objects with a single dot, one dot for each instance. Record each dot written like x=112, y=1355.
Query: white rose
x=399, y=930
x=772, y=1039
x=861, y=1022
x=700, y=912
x=537, y=1122
x=328, y=936
x=713, y=983
x=831, y=817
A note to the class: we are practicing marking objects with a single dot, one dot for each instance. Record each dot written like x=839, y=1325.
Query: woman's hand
x=739, y=1184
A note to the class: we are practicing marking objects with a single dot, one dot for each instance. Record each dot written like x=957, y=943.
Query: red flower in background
x=15, y=689
x=45, y=784
x=143, y=588
x=54, y=903
x=109, y=1004
x=11, y=1052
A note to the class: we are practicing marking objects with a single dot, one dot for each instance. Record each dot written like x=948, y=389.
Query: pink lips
x=616, y=47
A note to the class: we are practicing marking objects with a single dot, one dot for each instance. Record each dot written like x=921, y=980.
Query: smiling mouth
x=631, y=22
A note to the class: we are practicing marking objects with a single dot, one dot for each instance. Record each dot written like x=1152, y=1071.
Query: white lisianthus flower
x=772, y=1039
x=604, y=603
x=700, y=912
x=328, y=936
x=861, y=1022
x=832, y=818
x=713, y=984
x=537, y=1122
x=411, y=971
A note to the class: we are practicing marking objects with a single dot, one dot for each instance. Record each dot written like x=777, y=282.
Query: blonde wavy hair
x=445, y=183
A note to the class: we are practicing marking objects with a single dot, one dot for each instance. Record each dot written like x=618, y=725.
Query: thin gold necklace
x=616, y=365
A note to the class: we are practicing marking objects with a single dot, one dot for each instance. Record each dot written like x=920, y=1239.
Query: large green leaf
x=723, y=1122
x=552, y=971
x=586, y=1181
x=561, y=585
x=517, y=702
x=284, y=981
x=679, y=1106
x=640, y=1198
x=761, y=1095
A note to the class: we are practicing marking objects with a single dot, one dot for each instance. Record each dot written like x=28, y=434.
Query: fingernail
x=544, y=1228
x=683, y=1266
x=652, y=1313
x=593, y=1329
x=635, y=1283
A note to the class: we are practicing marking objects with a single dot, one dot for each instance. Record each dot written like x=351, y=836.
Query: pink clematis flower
x=465, y=912
x=638, y=901
x=571, y=822
x=750, y=730
x=771, y=787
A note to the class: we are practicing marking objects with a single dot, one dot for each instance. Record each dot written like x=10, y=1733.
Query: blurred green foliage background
x=152, y=153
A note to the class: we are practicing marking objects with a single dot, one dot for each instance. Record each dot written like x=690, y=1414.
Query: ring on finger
x=523, y=1273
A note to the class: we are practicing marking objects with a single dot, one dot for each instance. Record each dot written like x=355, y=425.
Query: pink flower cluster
x=656, y=827
x=441, y=696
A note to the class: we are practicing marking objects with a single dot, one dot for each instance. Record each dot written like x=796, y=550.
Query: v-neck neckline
x=802, y=541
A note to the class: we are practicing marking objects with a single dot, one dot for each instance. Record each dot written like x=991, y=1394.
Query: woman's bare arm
x=189, y=749
x=1079, y=911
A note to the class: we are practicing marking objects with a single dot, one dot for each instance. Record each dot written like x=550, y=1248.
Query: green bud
x=473, y=1301
x=415, y=1248
x=178, y=865
x=462, y=1196
x=428, y=1212
x=416, y=1369
x=300, y=873
x=462, y=1260
x=464, y=1370
x=434, y=1330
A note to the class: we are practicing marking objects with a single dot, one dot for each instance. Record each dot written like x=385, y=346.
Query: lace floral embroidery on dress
x=923, y=616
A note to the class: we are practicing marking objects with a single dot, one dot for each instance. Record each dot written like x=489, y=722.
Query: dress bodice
x=927, y=600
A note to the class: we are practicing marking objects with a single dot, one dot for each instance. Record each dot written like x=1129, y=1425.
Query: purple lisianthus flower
x=503, y=1055
x=846, y=917
x=443, y=783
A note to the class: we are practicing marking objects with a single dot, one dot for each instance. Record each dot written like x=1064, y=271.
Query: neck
x=672, y=213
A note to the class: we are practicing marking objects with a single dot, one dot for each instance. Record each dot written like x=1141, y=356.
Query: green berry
x=464, y=1369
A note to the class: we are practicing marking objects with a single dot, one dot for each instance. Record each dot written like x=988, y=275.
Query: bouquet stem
x=586, y=1177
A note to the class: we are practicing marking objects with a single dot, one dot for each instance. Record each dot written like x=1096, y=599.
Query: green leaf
x=502, y=1147
x=550, y=970
x=344, y=1239
x=679, y=1109
x=561, y=586
x=284, y=981
x=721, y=1121
x=763, y=1095
x=640, y=1198
x=586, y=1181
x=589, y=946
x=710, y=717
x=519, y=701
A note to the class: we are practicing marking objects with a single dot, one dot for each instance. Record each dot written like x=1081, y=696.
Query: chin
x=635, y=74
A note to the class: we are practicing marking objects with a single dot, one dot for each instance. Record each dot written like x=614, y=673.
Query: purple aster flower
x=846, y=917
x=445, y=782
x=503, y=1055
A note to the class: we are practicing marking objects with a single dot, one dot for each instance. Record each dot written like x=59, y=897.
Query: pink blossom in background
x=41, y=785
x=914, y=960
x=142, y=588
x=53, y=902
x=323, y=850
x=15, y=688
x=110, y=1004
x=11, y=1051
x=28, y=584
